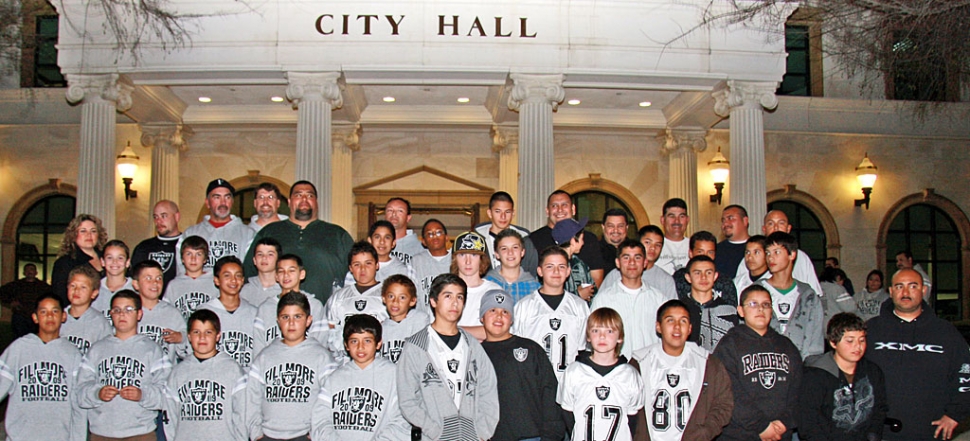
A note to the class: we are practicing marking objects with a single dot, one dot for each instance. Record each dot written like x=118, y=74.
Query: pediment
x=422, y=178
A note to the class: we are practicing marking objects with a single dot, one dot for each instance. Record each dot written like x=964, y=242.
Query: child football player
x=263, y=285
x=188, y=291
x=552, y=317
x=798, y=312
x=358, y=401
x=527, y=384
x=121, y=381
x=755, y=261
x=207, y=390
x=469, y=260
x=38, y=372
x=85, y=324
x=115, y=261
x=445, y=381
x=364, y=295
x=601, y=393
x=509, y=274
x=159, y=320
x=403, y=319
x=711, y=315
x=236, y=316
x=289, y=274
x=428, y=264
x=382, y=237
x=285, y=378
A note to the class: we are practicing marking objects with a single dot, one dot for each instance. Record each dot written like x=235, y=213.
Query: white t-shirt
x=471, y=315
x=782, y=304
x=673, y=256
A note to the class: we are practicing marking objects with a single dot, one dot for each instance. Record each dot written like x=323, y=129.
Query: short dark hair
x=118, y=244
x=89, y=272
x=752, y=289
x=630, y=243
x=293, y=298
x=841, y=323
x=142, y=266
x=443, y=280
x=361, y=247
x=293, y=257
x=508, y=232
x=782, y=239
x=650, y=229
x=302, y=182
x=549, y=199
x=195, y=243
x=127, y=294
x=269, y=186
x=882, y=277
x=361, y=323
x=835, y=260
x=758, y=239
x=399, y=279
x=223, y=261
x=616, y=212
x=702, y=236
x=270, y=242
x=406, y=203
x=49, y=295
x=744, y=213
x=424, y=228
x=697, y=259
x=380, y=224
x=500, y=196
x=670, y=304
x=674, y=203
x=907, y=253
x=204, y=315
x=830, y=274
x=552, y=250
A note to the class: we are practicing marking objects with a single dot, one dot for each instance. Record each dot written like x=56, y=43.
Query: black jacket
x=62, y=268
x=710, y=321
x=831, y=409
x=927, y=367
x=766, y=374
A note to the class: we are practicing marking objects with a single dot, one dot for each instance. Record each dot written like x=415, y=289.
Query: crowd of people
x=285, y=328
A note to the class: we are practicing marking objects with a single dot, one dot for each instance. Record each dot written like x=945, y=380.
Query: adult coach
x=226, y=234
x=559, y=206
x=162, y=247
x=322, y=246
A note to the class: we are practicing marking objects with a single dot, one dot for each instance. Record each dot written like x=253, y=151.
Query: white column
x=681, y=147
x=101, y=97
x=166, y=140
x=346, y=141
x=744, y=102
x=315, y=95
x=535, y=97
x=505, y=142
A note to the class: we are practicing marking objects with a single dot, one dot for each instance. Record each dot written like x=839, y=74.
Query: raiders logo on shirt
x=767, y=379
x=673, y=380
x=360, y=304
x=453, y=365
x=603, y=392
x=784, y=307
x=554, y=323
x=520, y=354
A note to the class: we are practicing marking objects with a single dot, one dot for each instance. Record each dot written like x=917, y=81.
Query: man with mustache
x=675, y=219
x=267, y=202
x=322, y=246
x=225, y=233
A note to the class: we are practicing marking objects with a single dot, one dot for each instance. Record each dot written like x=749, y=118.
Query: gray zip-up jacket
x=85, y=330
x=426, y=401
x=360, y=405
x=206, y=400
x=806, y=328
x=232, y=238
x=136, y=361
x=41, y=381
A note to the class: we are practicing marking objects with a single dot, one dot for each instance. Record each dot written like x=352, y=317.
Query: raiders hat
x=497, y=298
x=219, y=183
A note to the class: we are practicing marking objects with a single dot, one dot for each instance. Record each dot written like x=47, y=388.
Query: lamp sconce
x=720, y=169
x=866, y=174
x=127, y=167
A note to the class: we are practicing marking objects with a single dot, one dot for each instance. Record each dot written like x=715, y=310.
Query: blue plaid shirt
x=527, y=284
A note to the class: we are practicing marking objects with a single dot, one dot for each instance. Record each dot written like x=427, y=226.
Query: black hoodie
x=766, y=373
x=832, y=409
x=927, y=367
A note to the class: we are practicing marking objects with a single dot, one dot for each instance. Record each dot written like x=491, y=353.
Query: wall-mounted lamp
x=866, y=174
x=720, y=169
x=127, y=167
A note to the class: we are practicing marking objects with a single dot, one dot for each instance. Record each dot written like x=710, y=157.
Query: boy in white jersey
x=263, y=285
x=84, y=324
x=236, y=316
x=601, y=392
x=39, y=372
x=403, y=319
x=160, y=321
x=798, y=312
x=289, y=274
x=194, y=288
x=551, y=316
x=206, y=392
x=446, y=383
x=364, y=295
x=687, y=392
x=115, y=260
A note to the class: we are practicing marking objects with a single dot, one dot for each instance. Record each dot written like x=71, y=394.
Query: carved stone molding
x=504, y=137
x=172, y=134
x=676, y=139
x=103, y=86
x=314, y=86
x=536, y=88
x=743, y=93
x=347, y=136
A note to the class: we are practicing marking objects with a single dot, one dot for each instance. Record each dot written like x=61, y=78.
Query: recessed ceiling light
x=645, y=104
x=573, y=102
x=463, y=100
x=205, y=99
x=276, y=99
x=389, y=99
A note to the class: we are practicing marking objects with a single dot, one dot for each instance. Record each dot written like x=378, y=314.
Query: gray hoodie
x=238, y=333
x=85, y=330
x=806, y=328
x=206, y=400
x=360, y=405
x=136, y=361
x=187, y=294
x=156, y=320
x=266, y=330
x=232, y=239
x=426, y=401
x=41, y=381
x=396, y=333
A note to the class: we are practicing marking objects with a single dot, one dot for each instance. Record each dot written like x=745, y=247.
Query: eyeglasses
x=125, y=310
x=266, y=197
x=435, y=233
x=756, y=305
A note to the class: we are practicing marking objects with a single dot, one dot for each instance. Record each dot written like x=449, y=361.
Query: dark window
x=40, y=232
x=798, y=76
x=244, y=204
x=46, y=71
x=807, y=229
x=932, y=237
x=593, y=204
x=911, y=79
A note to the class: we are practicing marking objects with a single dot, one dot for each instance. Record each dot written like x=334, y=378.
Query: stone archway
x=8, y=240
x=597, y=183
x=833, y=244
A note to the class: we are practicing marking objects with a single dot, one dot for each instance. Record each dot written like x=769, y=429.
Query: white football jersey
x=601, y=404
x=671, y=387
x=561, y=332
x=347, y=301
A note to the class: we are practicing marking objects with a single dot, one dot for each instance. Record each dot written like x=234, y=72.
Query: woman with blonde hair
x=83, y=242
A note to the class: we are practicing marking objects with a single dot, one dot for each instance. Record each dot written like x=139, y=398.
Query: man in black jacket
x=926, y=362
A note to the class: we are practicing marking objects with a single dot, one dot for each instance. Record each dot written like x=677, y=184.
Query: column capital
x=102, y=86
x=676, y=139
x=347, y=136
x=504, y=137
x=314, y=86
x=172, y=134
x=526, y=88
x=745, y=94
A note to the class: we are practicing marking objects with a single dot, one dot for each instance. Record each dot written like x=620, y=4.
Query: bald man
x=161, y=248
x=804, y=271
